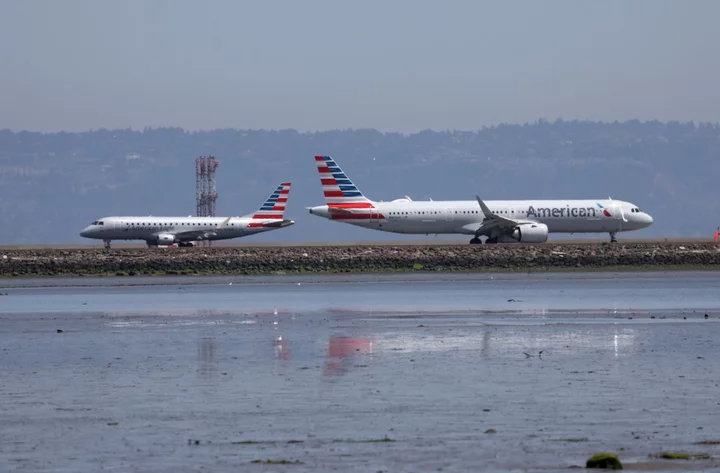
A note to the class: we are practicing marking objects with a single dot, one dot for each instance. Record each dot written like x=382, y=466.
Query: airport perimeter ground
x=241, y=243
x=237, y=257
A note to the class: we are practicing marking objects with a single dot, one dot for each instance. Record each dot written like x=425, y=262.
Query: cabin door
x=449, y=214
x=618, y=214
x=374, y=217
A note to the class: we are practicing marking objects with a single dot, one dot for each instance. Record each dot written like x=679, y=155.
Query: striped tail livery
x=339, y=190
x=344, y=200
x=274, y=206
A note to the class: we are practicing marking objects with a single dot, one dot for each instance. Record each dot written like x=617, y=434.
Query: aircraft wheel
x=491, y=241
x=476, y=241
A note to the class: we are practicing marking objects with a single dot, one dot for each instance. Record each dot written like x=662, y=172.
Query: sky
x=393, y=65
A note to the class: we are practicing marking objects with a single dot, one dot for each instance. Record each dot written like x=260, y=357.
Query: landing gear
x=488, y=241
x=106, y=243
x=185, y=244
x=612, y=237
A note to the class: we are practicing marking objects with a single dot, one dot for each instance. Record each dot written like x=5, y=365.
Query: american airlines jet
x=501, y=221
x=184, y=230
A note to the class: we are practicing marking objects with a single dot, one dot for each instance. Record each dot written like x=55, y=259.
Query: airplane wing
x=193, y=234
x=492, y=220
x=198, y=234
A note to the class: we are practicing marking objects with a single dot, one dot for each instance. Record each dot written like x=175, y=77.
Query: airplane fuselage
x=463, y=217
x=168, y=230
x=185, y=230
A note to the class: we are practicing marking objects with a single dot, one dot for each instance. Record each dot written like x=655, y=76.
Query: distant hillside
x=54, y=184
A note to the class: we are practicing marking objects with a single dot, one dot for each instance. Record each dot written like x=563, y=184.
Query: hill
x=54, y=184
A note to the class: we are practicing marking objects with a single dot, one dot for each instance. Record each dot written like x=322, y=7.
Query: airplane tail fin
x=274, y=206
x=339, y=190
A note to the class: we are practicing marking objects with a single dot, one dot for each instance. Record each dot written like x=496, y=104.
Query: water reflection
x=342, y=352
x=207, y=357
x=282, y=348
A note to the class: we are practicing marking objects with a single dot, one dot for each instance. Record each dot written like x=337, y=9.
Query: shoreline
x=386, y=259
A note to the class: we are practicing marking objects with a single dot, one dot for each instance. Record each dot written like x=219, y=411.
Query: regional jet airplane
x=184, y=230
x=506, y=221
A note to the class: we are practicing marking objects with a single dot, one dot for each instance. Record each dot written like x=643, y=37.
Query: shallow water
x=140, y=374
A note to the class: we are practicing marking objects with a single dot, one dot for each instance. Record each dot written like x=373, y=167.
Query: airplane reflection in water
x=282, y=349
x=207, y=357
x=344, y=353
x=341, y=354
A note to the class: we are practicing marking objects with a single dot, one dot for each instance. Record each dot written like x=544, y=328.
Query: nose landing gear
x=612, y=237
x=106, y=243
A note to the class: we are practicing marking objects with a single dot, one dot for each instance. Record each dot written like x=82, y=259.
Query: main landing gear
x=612, y=237
x=106, y=243
x=489, y=241
x=185, y=244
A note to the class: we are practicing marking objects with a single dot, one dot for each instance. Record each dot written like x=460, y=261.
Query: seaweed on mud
x=264, y=442
x=277, y=462
x=604, y=460
x=380, y=440
x=684, y=456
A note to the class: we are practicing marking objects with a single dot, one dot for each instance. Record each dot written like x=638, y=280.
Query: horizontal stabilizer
x=339, y=211
x=276, y=224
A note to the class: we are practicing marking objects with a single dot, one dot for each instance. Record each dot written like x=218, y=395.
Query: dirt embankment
x=55, y=262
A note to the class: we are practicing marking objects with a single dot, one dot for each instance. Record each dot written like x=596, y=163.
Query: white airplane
x=506, y=221
x=184, y=230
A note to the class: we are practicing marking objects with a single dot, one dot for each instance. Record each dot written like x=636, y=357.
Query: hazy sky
x=394, y=65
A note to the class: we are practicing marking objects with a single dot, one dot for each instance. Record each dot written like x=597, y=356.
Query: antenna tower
x=205, y=192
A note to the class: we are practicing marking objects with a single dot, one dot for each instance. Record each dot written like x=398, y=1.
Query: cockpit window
x=97, y=222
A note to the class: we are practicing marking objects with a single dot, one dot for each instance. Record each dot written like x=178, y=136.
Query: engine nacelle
x=163, y=239
x=530, y=233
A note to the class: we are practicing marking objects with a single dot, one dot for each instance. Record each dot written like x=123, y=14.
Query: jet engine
x=530, y=233
x=163, y=239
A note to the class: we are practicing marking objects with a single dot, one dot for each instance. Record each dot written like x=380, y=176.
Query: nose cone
x=648, y=220
x=85, y=233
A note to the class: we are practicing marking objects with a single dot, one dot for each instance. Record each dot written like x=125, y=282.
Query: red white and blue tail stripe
x=274, y=206
x=339, y=190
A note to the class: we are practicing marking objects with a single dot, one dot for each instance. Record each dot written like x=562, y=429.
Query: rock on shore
x=259, y=260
